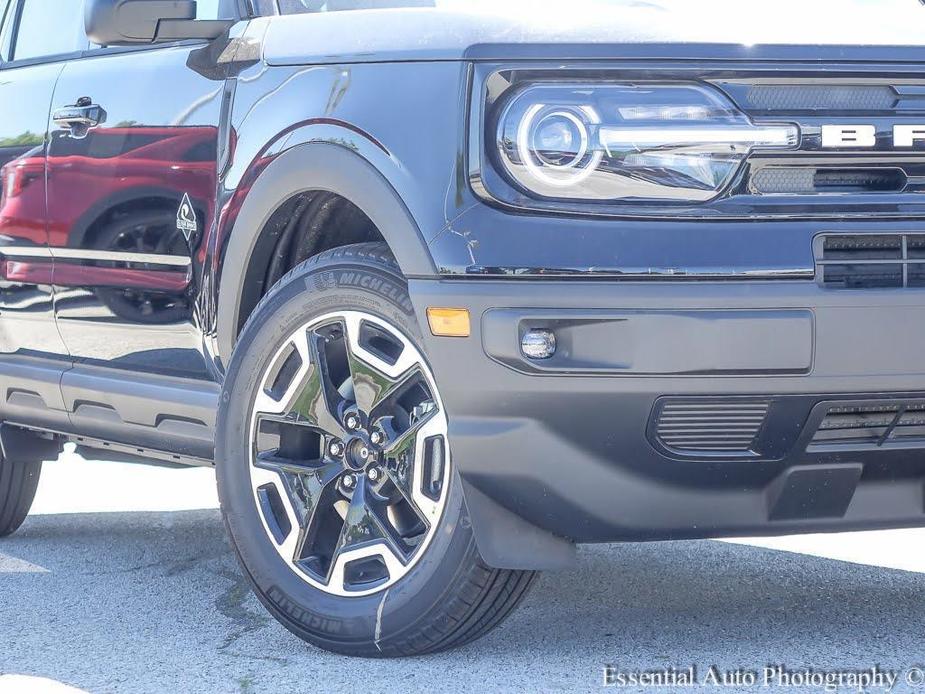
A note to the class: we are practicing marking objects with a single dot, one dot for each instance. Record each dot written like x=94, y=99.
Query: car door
x=34, y=45
x=132, y=178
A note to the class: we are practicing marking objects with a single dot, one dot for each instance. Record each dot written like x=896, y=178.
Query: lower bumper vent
x=870, y=261
x=710, y=428
x=873, y=425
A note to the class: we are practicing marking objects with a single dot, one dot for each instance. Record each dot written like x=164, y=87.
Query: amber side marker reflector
x=448, y=322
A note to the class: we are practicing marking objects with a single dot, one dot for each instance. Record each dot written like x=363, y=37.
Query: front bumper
x=572, y=445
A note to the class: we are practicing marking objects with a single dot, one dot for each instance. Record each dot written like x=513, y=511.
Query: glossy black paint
x=157, y=233
x=26, y=295
x=135, y=170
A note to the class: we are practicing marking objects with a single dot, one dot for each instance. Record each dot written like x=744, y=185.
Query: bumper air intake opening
x=870, y=261
x=870, y=426
x=710, y=428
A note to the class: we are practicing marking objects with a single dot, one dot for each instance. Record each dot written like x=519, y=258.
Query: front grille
x=871, y=425
x=795, y=180
x=809, y=97
x=870, y=261
x=881, y=179
x=710, y=428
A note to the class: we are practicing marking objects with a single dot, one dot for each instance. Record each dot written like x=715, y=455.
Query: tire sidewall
x=305, y=294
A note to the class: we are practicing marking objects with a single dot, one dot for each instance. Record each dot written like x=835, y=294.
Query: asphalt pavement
x=122, y=581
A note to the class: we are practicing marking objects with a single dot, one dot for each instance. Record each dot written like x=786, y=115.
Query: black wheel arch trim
x=307, y=167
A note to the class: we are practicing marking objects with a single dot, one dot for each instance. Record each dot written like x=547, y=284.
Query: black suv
x=443, y=289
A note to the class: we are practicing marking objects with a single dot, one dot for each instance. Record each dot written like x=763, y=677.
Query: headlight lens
x=630, y=142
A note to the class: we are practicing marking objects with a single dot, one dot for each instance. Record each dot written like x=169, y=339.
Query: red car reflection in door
x=121, y=173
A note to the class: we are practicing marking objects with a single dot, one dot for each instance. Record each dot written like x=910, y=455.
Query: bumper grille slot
x=808, y=180
x=805, y=97
x=711, y=428
x=874, y=425
x=870, y=261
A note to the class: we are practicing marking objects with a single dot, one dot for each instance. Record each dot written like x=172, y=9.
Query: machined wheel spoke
x=304, y=485
x=323, y=494
x=402, y=459
x=364, y=534
x=310, y=396
x=371, y=383
x=402, y=477
x=282, y=385
x=408, y=463
x=315, y=473
x=400, y=387
x=319, y=401
x=405, y=442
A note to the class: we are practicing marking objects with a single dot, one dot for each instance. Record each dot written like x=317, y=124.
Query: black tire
x=449, y=597
x=18, y=482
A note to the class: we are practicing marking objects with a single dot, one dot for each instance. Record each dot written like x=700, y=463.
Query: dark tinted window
x=50, y=28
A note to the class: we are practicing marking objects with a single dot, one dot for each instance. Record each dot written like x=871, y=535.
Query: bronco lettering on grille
x=866, y=135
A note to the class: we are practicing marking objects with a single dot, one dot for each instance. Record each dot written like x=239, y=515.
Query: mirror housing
x=137, y=22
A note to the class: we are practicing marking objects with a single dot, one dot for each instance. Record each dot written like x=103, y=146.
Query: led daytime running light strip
x=756, y=136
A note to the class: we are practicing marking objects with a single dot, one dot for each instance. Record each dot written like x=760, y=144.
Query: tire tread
x=18, y=483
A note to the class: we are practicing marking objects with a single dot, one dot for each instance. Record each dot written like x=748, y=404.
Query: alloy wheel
x=349, y=459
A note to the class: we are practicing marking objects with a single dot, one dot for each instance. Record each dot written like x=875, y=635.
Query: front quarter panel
x=404, y=122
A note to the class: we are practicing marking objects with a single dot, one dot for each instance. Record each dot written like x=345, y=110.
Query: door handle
x=79, y=117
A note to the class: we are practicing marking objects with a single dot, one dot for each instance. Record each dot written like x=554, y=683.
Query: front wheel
x=335, y=474
x=18, y=483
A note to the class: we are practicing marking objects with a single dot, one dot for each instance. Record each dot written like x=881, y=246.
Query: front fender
x=306, y=167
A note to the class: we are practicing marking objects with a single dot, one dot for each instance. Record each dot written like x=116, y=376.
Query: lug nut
x=373, y=474
x=352, y=421
x=376, y=437
x=336, y=449
x=348, y=481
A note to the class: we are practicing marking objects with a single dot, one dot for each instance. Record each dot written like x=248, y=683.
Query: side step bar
x=146, y=416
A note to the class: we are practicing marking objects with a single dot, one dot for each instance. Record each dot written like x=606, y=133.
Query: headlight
x=629, y=142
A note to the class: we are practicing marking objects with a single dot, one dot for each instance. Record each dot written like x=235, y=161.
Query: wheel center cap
x=360, y=453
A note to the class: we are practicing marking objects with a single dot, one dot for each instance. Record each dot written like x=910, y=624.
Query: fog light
x=538, y=344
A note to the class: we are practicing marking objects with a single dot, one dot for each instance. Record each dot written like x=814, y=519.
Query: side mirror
x=134, y=22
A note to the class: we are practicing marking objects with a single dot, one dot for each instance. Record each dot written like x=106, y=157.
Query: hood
x=483, y=29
